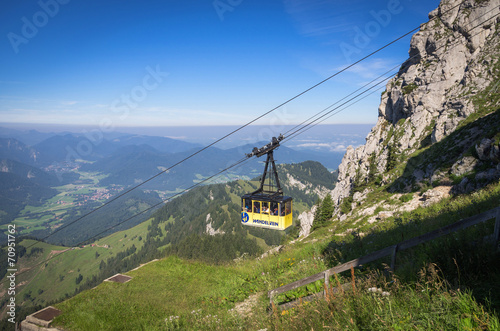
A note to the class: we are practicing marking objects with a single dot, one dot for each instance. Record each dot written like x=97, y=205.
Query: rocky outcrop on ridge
x=439, y=119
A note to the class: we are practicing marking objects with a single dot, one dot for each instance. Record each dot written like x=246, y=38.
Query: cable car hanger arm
x=268, y=150
x=275, y=143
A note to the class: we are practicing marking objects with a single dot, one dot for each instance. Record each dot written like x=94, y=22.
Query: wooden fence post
x=496, y=232
x=327, y=282
x=393, y=258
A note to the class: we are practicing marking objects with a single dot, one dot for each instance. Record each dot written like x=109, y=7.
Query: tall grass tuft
x=381, y=303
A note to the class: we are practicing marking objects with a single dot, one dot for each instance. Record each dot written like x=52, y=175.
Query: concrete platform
x=41, y=320
x=119, y=278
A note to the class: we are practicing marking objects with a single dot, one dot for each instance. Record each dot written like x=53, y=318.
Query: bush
x=406, y=197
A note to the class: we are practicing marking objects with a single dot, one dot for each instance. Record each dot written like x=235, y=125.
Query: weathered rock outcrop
x=306, y=221
x=452, y=73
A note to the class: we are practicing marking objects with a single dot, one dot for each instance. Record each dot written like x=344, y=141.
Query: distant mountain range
x=30, y=172
x=69, y=147
x=134, y=164
x=130, y=159
x=13, y=149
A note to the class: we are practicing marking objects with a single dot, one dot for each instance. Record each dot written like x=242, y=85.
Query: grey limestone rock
x=431, y=94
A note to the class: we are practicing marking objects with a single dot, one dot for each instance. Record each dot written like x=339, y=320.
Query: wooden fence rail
x=392, y=250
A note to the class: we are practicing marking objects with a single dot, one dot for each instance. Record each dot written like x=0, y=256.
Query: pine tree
x=323, y=212
x=327, y=208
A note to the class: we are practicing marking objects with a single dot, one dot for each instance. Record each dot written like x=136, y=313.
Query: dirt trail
x=245, y=308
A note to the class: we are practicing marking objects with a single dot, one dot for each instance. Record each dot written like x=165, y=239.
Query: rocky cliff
x=439, y=117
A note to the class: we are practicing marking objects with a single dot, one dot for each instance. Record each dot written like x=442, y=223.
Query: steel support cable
x=325, y=109
x=305, y=129
x=322, y=119
x=337, y=107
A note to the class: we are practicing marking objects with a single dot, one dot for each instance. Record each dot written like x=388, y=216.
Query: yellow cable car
x=266, y=212
x=267, y=207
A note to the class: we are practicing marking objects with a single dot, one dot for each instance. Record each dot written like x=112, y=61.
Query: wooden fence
x=392, y=250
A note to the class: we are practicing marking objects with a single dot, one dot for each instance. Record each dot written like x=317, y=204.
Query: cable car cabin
x=266, y=211
x=267, y=207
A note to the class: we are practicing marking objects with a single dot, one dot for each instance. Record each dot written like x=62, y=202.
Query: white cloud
x=322, y=17
x=373, y=68
x=332, y=146
x=68, y=103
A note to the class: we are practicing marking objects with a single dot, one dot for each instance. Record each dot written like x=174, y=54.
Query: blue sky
x=116, y=63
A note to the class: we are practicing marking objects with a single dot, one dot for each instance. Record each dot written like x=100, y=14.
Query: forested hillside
x=215, y=211
x=16, y=192
x=102, y=222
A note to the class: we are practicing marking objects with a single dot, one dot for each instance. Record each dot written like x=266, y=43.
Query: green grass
x=189, y=295
x=122, y=240
x=404, y=225
x=171, y=287
x=407, y=89
x=34, y=275
x=426, y=305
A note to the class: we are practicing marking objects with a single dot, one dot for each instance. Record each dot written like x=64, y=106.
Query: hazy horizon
x=324, y=137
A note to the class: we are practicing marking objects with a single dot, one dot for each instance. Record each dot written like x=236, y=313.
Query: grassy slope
x=173, y=293
x=56, y=279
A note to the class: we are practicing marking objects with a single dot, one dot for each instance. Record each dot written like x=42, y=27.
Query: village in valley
x=71, y=197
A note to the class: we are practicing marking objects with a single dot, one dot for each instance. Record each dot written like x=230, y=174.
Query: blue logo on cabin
x=244, y=217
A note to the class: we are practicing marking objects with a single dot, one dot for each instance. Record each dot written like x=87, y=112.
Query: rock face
x=306, y=221
x=453, y=62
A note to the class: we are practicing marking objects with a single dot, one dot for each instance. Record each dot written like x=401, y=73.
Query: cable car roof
x=267, y=197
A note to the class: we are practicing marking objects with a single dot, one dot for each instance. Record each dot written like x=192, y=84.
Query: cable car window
x=246, y=203
x=288, y=207
x=256, y=207
x=274, y=208
x=265, y=207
